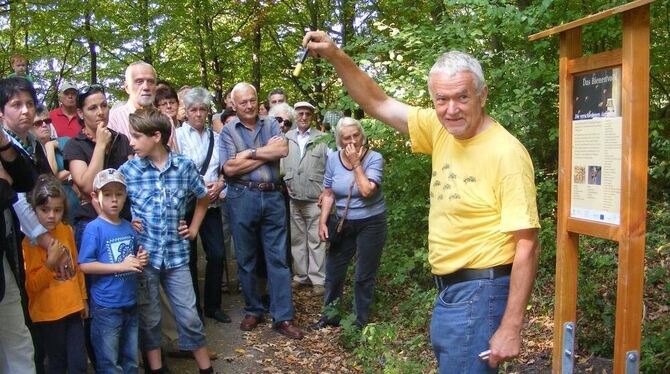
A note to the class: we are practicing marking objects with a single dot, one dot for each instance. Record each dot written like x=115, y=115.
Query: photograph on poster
x=597, y=94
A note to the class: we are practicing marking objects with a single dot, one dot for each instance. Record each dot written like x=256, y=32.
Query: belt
x=463, y=275
x=261, y=186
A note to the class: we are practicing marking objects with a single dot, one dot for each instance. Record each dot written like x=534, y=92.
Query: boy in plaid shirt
x=159, y=185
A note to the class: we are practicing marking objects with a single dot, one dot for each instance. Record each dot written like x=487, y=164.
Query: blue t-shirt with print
x=110, y=243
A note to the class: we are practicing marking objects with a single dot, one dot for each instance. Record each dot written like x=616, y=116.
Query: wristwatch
x=253, y=153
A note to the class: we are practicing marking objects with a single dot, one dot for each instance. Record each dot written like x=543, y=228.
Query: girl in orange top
x=56, y=306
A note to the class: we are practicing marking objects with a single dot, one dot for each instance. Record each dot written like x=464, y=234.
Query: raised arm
x=358, y=84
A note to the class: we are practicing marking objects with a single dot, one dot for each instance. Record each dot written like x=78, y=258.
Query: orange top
x=50, y=299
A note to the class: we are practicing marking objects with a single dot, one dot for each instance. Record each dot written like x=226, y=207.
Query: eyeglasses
x=42, y=122
x=287, y=122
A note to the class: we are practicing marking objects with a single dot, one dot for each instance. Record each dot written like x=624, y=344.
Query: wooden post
x=567, y=243
x=633, y=58
x=635, y=109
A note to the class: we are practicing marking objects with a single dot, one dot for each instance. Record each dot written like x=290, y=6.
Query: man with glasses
x=249, y=153
x=304, y=168
x=140, y=85
x=64, y=118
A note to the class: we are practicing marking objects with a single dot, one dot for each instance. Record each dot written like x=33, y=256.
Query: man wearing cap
x=304, y=168
x=64, y=118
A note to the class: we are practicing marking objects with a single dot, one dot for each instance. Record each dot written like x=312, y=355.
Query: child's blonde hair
x=47, y=186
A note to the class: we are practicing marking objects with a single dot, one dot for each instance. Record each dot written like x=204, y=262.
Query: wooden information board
x=602, y=176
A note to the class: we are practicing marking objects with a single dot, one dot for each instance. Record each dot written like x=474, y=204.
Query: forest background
x=218, y=43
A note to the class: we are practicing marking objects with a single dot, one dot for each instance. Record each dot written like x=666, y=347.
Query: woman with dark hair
x=167, y=102
x=94, y=149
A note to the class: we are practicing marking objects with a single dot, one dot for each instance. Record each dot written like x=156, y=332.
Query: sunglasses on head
x=42, y=122
x=287, y=122
x=85, y=91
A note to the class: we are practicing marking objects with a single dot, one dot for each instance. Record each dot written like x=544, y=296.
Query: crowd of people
x=116, y=198
x=111, y=202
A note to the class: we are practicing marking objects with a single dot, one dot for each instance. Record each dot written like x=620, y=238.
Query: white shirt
x=195, y=145
x=303, y=138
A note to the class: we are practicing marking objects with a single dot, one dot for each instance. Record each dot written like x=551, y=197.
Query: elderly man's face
x=303, y=117
x=69, y=98
x=142, y=86
x=246, y=105
x=459, y=108
x=277, y=99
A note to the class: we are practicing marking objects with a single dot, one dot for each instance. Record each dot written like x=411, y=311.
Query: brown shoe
x=287, y=328
x=249, y=322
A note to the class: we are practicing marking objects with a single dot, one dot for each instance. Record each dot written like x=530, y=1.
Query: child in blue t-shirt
x=108, y=255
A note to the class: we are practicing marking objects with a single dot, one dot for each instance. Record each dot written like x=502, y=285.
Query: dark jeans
x=211, y=236
x=258, y=219
x=63, y=342
x=364, y=238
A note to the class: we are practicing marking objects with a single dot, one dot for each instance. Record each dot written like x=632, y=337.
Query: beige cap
x=106, y=177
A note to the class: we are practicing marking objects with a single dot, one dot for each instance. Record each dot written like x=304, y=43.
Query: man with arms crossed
x=483, y=244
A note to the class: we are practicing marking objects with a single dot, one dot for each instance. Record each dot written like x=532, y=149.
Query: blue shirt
x=110, y=244
x=235, y=138
x=158, y=199
x=339, y=178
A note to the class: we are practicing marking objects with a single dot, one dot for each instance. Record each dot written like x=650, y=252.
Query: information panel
x=596, y=147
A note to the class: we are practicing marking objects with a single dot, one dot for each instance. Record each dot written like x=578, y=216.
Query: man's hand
x=319, y=44
x=505, y=345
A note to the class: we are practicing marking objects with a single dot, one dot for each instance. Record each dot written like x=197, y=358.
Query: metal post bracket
x=568, y=359
x=632, y=362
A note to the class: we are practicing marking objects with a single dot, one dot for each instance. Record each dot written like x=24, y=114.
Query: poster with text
x=596, y=147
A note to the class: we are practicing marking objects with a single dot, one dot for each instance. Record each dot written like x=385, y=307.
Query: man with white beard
x=140, y=85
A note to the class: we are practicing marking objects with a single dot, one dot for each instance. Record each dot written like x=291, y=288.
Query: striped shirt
x=235, y=138
x=158, y=199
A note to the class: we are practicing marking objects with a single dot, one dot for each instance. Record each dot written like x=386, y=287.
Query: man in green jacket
x=304, y=168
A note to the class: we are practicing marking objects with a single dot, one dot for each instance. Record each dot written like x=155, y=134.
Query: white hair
x=347, y=122
x=242, y=86
x=454, y=62
x=130, y=67
x=197, y=96
x=282, y=108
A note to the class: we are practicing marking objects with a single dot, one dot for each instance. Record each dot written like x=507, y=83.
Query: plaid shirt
x=158, y=199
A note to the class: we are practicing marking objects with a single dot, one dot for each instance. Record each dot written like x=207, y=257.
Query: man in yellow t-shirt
x=483, y=243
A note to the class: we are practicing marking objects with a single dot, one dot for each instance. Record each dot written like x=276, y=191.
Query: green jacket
x=304, y=175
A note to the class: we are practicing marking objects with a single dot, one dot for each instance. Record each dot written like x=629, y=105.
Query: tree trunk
x=148, y=55
x=199, y=24
x=91, y=45
x=256, y=50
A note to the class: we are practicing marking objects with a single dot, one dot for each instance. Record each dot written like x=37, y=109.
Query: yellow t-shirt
x=481, y=190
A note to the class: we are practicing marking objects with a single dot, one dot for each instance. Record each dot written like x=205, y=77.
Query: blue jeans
x=465, y=317
x=364, y=238
x=178, y=287
x=114, y=338
x=258, y=219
